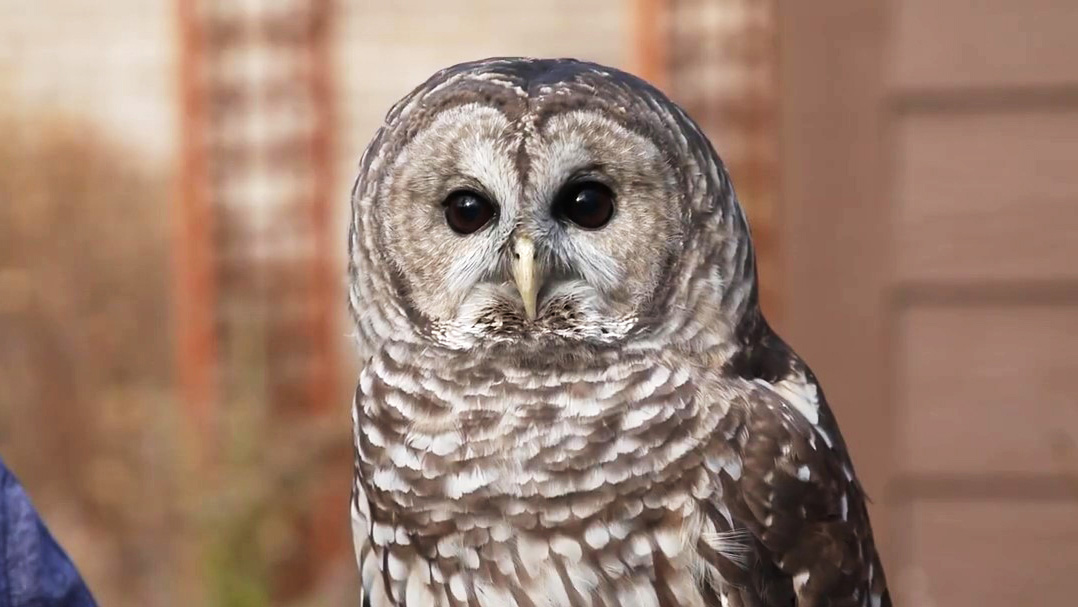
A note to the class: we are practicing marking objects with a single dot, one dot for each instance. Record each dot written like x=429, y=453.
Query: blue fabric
x=34, y=571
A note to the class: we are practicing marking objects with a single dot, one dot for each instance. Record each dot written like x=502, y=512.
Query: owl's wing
x=789, y=483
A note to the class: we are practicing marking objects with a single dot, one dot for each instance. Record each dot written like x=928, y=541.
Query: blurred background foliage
x=89, y=413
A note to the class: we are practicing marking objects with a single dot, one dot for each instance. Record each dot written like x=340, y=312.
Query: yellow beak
x=524, y=273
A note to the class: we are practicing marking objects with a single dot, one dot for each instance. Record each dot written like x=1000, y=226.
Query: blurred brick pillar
x=256, y=289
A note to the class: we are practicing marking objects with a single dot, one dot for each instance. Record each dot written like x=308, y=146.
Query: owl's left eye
x=467, y=212
x=588, y=204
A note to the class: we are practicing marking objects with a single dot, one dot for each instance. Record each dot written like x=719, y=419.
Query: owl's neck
x=433, y=428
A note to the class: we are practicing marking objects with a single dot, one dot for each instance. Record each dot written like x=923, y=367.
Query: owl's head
x=531, y=201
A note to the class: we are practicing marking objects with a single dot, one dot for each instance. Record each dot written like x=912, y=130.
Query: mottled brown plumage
x=557, y=414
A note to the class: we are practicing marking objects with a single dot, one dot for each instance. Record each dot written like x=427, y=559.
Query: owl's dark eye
x=588, y=204
x=467, y=212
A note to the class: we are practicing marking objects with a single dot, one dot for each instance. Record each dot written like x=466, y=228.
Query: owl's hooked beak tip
x=525, y=273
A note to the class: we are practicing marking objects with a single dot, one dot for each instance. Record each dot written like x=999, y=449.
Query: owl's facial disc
x=501, y=233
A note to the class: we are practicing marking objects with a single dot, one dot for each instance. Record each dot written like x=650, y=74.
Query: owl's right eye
x=467, y=212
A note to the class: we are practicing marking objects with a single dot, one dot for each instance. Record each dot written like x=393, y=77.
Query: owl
x=570, y=396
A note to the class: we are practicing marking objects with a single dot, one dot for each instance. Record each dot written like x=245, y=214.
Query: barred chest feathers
x=583, y=487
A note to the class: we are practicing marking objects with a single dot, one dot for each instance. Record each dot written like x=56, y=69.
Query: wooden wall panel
x=988, y=389
x=954, y=44
x=989, y=554
x=929, y=209
x=987, y=196
x=833, y=227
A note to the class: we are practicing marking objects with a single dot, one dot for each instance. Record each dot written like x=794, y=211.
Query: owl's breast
x=516, y=485
x=639, y=552
x=480, y=439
